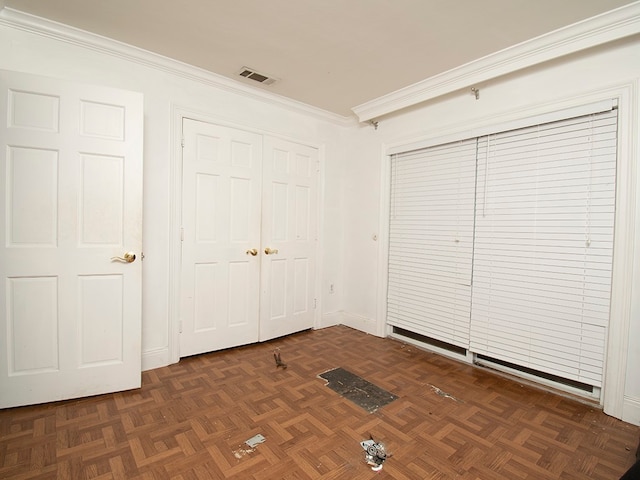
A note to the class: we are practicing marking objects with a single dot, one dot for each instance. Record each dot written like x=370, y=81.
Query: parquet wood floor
x=189, y=421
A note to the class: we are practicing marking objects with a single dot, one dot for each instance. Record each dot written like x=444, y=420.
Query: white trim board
x=362, y=323
x=607, y=27
x=631, y=410
x=330, y=319
x=155, y=358
x=57, y=31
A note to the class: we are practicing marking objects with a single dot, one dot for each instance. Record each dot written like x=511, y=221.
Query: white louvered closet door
x=431, y=241
x=544, y=245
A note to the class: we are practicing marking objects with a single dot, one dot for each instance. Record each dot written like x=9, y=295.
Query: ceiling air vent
x=256, y=76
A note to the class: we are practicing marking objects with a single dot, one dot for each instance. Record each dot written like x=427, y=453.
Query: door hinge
x=182, y=142
x=181, y=234
x=180, y=326
x=315, y=303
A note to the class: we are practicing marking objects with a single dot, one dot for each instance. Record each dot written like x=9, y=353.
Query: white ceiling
x=331, y=54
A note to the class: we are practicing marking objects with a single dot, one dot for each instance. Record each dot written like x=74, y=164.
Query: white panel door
x=289, y=238
x=71, y=199
x=221, y=237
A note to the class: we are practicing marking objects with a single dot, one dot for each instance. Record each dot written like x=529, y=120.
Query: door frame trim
x=178, y=113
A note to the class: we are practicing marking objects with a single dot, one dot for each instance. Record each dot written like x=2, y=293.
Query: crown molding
x=609, y=26
x=64, y=33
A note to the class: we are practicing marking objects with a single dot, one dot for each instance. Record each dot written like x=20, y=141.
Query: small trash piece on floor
x=374, y=453
x=444, y=394
x=252, y=443
x=241, y=452
x=361, y=392
x=255, y=440
x=278, y=359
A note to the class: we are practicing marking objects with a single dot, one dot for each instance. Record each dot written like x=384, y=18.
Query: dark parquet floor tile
x=189, y=421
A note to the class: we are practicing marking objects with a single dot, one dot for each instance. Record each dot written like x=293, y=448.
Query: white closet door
x=431, y=241
x=221, y=237
x=250, y=229
x=289, y=237
x=544, y=244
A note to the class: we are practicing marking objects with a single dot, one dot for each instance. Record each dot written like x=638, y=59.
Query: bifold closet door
x=249, y=237
x=431, y=241
x=221, y=204
x=289, y=237
x=544, y=245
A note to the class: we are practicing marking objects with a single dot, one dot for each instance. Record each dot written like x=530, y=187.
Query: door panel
x=221, y=224
x=101, y=200
x=71, y=199
x=289, y=226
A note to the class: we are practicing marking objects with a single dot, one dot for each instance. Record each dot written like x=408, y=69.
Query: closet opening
x=501, y=247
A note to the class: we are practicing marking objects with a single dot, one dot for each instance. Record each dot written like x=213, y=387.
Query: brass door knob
x=253, y=252
x=128, y=257
x=270, y=251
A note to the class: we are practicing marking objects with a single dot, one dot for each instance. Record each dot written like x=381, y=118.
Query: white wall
x=163, y=91
x=561, y=83
x=361, y=193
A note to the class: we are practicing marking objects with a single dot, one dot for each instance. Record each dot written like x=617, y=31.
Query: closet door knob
x=253, y=252
x=270, y=251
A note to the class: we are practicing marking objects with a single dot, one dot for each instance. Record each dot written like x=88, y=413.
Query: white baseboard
x=631, y=410
x=159, y=357
x=330, y=319
x=358, y=322
x=155, y=359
